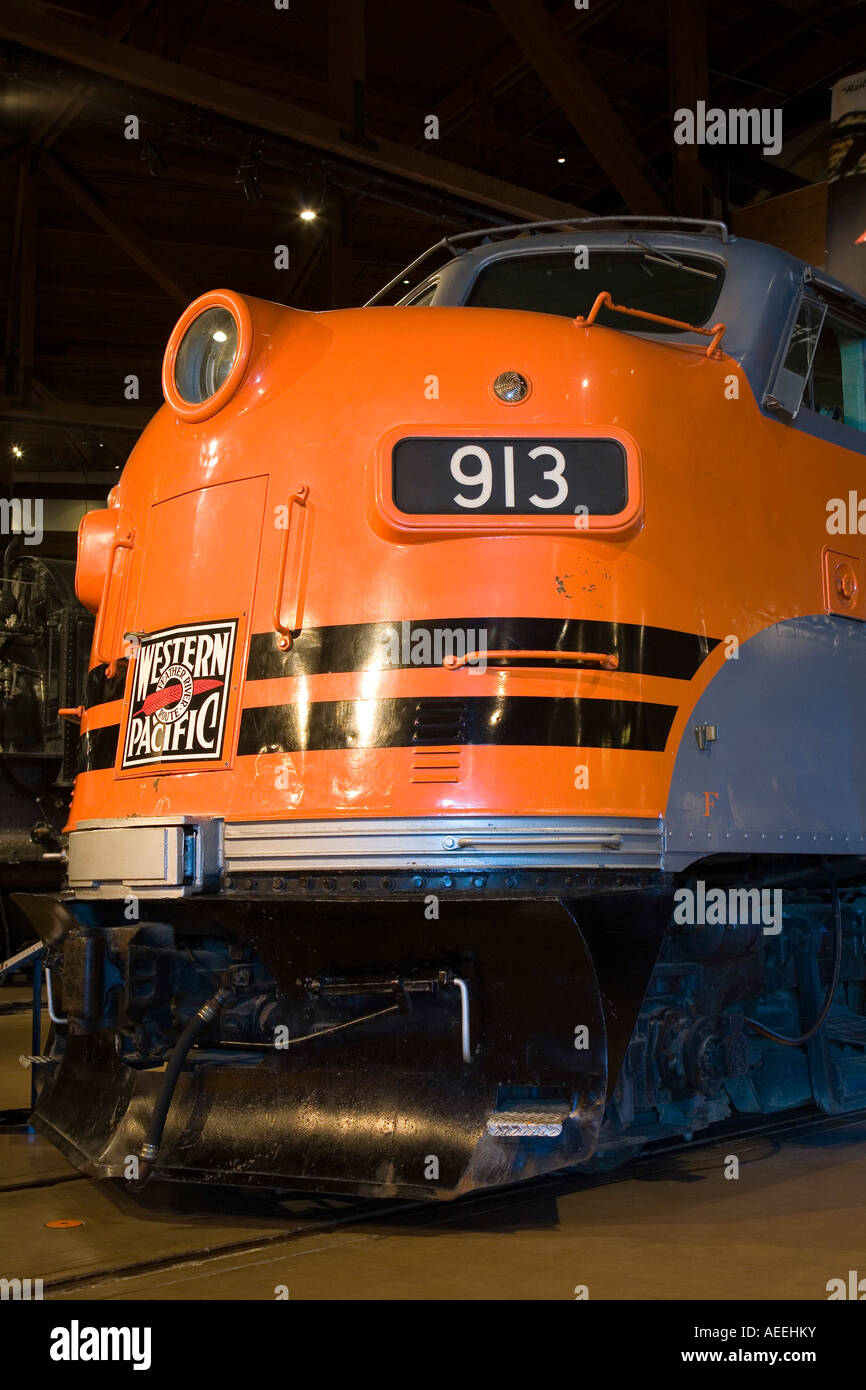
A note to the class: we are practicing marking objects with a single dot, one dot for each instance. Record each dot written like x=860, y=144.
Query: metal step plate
x=528, y=1122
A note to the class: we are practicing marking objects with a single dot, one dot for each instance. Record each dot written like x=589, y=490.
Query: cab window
x=824, y=368
x=680, y=286
x=836, y=385
x=414, y=301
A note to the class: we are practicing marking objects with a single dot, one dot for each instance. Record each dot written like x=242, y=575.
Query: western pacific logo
x=180, y=682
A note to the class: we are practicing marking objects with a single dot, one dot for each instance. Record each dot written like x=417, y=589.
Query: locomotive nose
x=268, y=730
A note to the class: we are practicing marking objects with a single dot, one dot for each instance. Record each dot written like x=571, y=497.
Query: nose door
x=192, y=627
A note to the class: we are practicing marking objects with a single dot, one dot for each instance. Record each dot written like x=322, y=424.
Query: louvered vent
x=436, y=738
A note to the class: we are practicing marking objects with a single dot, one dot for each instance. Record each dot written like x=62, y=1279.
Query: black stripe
x=100, y=690
x=652, y=651
x=523, y=720
x=97, y=748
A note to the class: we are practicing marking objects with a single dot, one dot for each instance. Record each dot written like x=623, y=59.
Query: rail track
x=312, y=1216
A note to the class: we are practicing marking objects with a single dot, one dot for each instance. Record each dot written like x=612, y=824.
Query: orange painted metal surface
x=727, y=538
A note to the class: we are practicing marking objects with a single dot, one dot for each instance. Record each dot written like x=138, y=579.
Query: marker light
x=511, y=387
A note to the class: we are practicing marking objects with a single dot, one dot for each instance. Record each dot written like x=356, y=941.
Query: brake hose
x=834, y=981
x=149, y=1150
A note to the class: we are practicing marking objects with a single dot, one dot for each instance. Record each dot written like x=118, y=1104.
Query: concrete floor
x=15, y=1040
x=795, y=1218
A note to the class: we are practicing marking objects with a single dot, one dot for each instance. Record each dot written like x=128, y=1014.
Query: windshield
x=682, y=287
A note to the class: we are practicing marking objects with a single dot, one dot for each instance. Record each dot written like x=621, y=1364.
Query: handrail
x=123, y=541
x=286, y=639
x=605, y=301
x=531, y=839
x=609, y=661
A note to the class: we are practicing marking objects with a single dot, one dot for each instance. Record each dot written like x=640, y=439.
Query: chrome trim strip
x=446, y=842
x=495, y=841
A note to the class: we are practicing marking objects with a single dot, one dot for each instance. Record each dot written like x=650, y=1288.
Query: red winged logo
x=158, y=699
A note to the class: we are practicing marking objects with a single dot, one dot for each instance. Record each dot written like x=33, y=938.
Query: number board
x=516, y=477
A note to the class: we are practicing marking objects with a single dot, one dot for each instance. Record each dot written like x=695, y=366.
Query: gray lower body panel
x=786, y=773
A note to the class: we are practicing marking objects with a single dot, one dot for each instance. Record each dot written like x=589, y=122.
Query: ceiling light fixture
x=312, y=198
x=248, y=174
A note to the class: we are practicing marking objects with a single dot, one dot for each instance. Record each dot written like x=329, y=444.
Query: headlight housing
x=207, y=355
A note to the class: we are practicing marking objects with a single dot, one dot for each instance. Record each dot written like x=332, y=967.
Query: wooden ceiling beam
x=132, y=243
x=36, y=26
x=44, y=393
x=579, y=97
x=62, y=413
x=306, y=89
x=340, y=252
x=689, y=83
x=347, y=63
x=10, y=363
x=305, y=266
x=500, y=72
x=27, y=283
x=70, y=103
x=187, y=178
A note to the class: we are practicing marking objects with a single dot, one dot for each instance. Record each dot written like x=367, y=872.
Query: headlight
x=207, y=355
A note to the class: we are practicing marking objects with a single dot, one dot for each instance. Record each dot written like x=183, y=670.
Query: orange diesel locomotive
x=470, y=766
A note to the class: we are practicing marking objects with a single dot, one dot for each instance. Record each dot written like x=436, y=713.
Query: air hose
x=147, y=1154
x=831, y=990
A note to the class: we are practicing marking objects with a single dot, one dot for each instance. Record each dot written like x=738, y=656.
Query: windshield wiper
x=654, y=253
